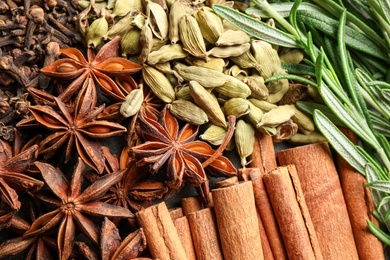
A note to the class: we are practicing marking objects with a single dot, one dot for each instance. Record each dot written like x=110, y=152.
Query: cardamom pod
x=158, y=19
x=132, y=103
x=245, y=60
x=158, y=83
x=232, y=37
x=121, y=8
x=96, y=31
x=256, y=84
x=277, y=89
x=237, y=72
x=244, y=136
x=130, y=43
x=267, y=58
x=217, y=64
x=214, y=135
x=313, y=137
x=146, y=40
x=236, y=107
x=262, y=104
x=120, y=27
x=276, y=116
x=229, y=51
x=167, y=53
x=305, y=123
x=208, y=78
x=234, y=87
x=184, y=93
x=255, y=114
x=191, y=36
x=210, y=24
x=285, y=131
x=292, y=56
x=176, y=12
x=188, y=112
x=208, y=103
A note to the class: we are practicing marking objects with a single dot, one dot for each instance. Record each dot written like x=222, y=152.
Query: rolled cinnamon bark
x=237, y=222
x=184, y=232
x=291, y=212
x=205, y=234
x=324, y=198
x=267, y=215
x=263, y=155
x=190, y=204
x=160, y=232
x=360, y=206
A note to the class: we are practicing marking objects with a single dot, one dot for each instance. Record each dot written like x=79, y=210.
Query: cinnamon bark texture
x=205, y=234
x=237, y=222
x=161, y=234
x=190, y=204
x=291, y=212
x=184, y=232
x=360, y=207
x=267, y=215
x=263, y=155
x=324, y=198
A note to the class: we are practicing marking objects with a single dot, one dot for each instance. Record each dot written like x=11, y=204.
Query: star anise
x=112, y=246
x=102, y=68
x=13, y=179
x=182, y=154
x=78, y=126
x=134, y=191
x=72, y=205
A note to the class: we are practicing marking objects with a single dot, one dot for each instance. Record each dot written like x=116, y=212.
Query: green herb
x=349, y=60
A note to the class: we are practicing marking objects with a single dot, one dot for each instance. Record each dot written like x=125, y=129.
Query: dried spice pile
x=171, y=83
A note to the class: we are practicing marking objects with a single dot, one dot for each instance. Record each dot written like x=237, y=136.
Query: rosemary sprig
x=350, y=78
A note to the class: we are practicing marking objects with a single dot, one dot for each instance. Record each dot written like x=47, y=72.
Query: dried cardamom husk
x=267, y=58
x=132, y=103
x=146, y=40
x=244, y=136
x=232, y=37
x=237, y=72
x=230, y=51
x=158, y=44
x=233, y=88
x=264, y=105
x=208, y=103
x=191, y=37
x=188, y=112
x=236, y=107
x=131, y=42
x=158, y=83
x=167, y=53
x=214, y=135
x=96, y=31
x=304, y=122
x=138, y=20
x=285, y=131
x=210, y=24
x=255, y=114
x=158, y=20
x=276, y=116
x=208, y=78
x=176, y=12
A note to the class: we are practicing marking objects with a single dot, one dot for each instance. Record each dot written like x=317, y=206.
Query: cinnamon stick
x=263, y=155
x=291, y=212
x=360, y=206
x=324, y=198
x=190, y=204
x=267, y=216
x=205, y=235
x=237, y=222
x=160, y=232
x=184, y=232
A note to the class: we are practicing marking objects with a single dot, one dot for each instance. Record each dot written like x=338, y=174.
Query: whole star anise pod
x=76, y=127
x=102, y=68
x=72, y=205
x=13, y=179
x=112, y=246
x=178, y=149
